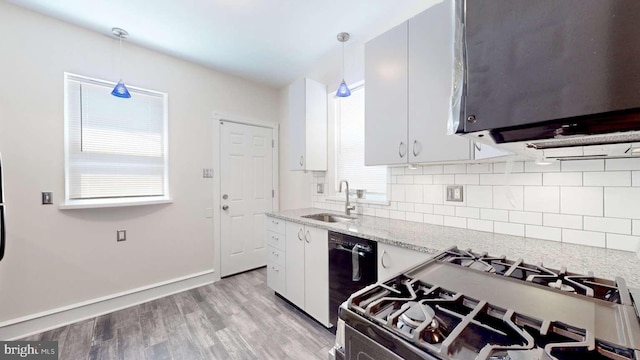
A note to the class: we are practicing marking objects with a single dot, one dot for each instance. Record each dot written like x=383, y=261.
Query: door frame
x=217, y=174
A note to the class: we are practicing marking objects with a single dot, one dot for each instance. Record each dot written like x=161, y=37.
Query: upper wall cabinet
x=307, y=125
x=408, y=75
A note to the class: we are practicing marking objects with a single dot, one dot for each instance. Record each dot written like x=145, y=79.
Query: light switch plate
x=207, y=173
x=47, y=198
x=121, y=235
x=455, y=193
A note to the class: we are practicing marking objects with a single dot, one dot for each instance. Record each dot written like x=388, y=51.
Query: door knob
x=225, y=207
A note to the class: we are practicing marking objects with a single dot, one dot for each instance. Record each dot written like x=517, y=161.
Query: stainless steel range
x=465, y=305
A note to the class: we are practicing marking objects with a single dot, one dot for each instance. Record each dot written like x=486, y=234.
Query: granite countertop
x=432, y=239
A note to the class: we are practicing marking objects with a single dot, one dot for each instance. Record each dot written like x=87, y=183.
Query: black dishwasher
x=352, y=266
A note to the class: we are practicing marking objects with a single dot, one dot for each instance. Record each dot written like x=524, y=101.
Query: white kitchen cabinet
x=276, y=255
x=385, y=129
x=307, y=270
x=393, y=259
x=307, y=125
x=408, y=76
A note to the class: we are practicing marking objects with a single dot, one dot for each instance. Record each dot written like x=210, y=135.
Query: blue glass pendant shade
x=343, y=90
x=121, y=91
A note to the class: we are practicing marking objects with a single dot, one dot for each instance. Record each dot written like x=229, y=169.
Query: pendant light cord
x=342, y=61
x=120, y=58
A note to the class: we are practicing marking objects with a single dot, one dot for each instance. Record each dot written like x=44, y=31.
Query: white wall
x=55, y=258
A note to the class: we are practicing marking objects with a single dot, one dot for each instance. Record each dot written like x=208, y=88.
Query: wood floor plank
x=78, y=340
x=238, y=317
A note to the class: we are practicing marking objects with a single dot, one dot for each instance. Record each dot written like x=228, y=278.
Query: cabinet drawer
x=276, y=225
x=276, y=277
x=276, y=240
x=275, y=256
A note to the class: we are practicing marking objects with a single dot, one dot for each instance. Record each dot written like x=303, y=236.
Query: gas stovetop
x=465, y=305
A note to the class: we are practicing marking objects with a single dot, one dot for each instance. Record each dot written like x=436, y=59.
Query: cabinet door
x=315, y=127
x=393, y=259
x=430, y=87
x=294, y=264
x=297, y=118
x=316, y=281
x=385, y=129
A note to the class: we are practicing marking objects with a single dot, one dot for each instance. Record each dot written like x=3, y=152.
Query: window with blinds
x=350, y=147
x=116, y=149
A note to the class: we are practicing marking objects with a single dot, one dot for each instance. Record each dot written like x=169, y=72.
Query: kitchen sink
x=330, y=218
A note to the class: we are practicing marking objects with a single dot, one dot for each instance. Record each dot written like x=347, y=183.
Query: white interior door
x=246, y=183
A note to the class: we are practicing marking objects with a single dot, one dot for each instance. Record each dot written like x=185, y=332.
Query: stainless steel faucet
x=347, y=205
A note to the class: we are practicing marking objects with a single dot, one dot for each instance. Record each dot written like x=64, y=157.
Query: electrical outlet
x=47, y=198
x=320, y=188
x=455, y=193
x=121, y=235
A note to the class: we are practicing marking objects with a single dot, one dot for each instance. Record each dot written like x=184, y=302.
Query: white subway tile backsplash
x=492, y=214
x=622, y=202
x=398, y=192
x=635, y=178
x=514, y=167
x=455, y=222
x=562, y=221
x=479, y=196
x=622, y=164
x=582, y=165
x=467, y=212
x=542, y=232
x=610, y=178
x=508, y=197
x=485, y=168
x=398, y=215
x=382, y=213
x=434, y=219
x=423, y=179
x=404, y=206
x=432, y=169
x=405, y=179
x=636, y=227
x=365, y=210
x=444, y=210
x=511, y=179
x=542, y=198
x=415, y=217
x=397, y=170
x=467, y=179
x=433, y=194
x=524, y=217
x=455, y=169
x=588, y=238
x=531, y=166
x=623, y=242
x=581, y=201
x=508, y=228
x=480, y=225
x=609, y=225
x=563, y=179
x=443, y=179
x=413, y=193
x=424, y=208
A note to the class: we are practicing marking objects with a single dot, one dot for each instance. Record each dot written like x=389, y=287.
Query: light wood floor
x=236, y=318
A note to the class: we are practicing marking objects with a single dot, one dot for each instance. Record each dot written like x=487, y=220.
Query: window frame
x=370, y=197
x=123, y=201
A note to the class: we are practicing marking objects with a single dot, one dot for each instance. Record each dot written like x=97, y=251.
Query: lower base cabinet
x=300, y=271
x=392, y=260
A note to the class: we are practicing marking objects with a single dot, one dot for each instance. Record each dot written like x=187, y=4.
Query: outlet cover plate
x=320, y=188
x=455, y=193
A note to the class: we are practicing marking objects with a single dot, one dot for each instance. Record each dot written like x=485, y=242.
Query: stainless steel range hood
x=551, y=78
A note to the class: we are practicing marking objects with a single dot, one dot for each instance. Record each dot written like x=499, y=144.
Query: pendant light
x=343, y=89
x=120, y=90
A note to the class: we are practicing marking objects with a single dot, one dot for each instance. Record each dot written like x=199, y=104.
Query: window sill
x=110, y=203
x=338, y=198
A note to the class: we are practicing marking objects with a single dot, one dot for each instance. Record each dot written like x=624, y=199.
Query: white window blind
x=116, y=148
x=350, y=146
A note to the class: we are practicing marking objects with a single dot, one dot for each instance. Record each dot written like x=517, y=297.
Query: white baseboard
x=51, y=319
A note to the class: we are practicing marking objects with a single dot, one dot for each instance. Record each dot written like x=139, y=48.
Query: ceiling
x=268, y=41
